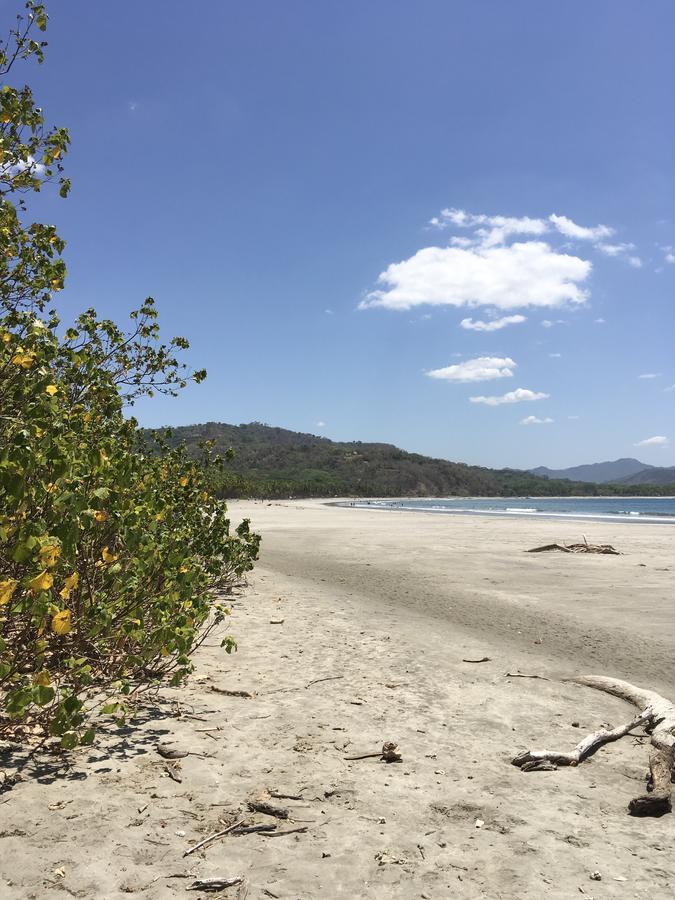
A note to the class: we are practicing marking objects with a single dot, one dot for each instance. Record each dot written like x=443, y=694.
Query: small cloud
x=555, y=355
x=650, y=375
x=599, y=321
x=670, y=388
x=517, y=396
x=320, y=424
x=133, y=105
x=573, y=417
x=549, y=323
x=483, y=368
x=579, y=232
x=669, y=254
x=635, y=262
x=495, y=325
x=533, y=420
x=657, y=441
x=329, y=312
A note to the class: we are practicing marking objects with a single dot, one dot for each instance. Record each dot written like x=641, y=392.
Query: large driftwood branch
x=657, y=714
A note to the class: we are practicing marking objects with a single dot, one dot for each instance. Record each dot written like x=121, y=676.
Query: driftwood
x=268, y=809
x=482, y=659
x=657, y=715
x=214, y=884
x=389, y=753
x=212, y=837
x=577, y=548
x=247, y=695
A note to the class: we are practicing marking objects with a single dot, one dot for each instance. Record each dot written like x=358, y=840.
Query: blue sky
x=275, y=175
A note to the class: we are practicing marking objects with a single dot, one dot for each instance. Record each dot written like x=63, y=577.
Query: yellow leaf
x=183, y=570
x=205, y=496
x=71, y=582
x=64, y=593
x=42, y=678
x=100, y=515
x=40, y=645
x=51, y=389
x=25, y=360
x=183, y=481
x=6, y=337
x=108, y=556
x=41, y=582
x=49, y=555
x=51, y=487
x=61, y=622
x=7, y=588
x=56, y=284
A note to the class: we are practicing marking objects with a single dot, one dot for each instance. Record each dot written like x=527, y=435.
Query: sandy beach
x=353, y=630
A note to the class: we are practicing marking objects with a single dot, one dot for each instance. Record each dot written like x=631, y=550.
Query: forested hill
x=275, y=462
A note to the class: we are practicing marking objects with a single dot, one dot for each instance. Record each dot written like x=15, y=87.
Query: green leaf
x=69, y=740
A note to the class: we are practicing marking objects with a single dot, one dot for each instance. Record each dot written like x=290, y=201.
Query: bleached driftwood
x=657, y=714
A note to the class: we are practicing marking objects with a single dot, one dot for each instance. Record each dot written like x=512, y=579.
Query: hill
x=618, y=470
x=276, y=462
x=652, y=475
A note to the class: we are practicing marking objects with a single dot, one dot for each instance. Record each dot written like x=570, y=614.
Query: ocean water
x=624, y=509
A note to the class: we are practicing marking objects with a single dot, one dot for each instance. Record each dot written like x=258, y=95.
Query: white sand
x=391, y=603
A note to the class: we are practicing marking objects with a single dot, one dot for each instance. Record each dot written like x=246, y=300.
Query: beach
x=359, y=627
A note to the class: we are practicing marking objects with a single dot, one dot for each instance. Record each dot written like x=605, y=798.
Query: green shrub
x=111, y=547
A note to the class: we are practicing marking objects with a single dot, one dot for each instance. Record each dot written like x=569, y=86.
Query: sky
x=447, y=224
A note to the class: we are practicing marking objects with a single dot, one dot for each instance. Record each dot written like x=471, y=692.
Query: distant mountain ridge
x=652, y=475
x=618, y=470
x=276, y=462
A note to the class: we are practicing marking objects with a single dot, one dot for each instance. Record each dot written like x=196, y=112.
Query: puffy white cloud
x=533, y=420
x=494, y=325
x=520, y=275
x=657, y=441
x=517, y=396
x=650, y=375
x=482, y=368
x=579, y=232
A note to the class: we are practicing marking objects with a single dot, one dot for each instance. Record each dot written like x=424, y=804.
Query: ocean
x=659, y=510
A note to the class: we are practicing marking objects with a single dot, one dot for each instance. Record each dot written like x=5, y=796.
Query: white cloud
x=671, y=388
x=599, y=321
x=657, y=441
x=670, y=257
x=555, y=355
x=328, y=312
x=533, y=420
x=549, y=323
x=517, y=396
x=573, y=417
x=489, y=230
x=320, y=424
x=483, y=368
x=669, y=254
x=30, y=164
x=635, y=262
x=494, y=325
x=650, y=375
x=520, y=275
x=579, y=232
